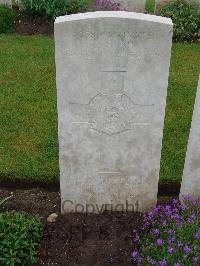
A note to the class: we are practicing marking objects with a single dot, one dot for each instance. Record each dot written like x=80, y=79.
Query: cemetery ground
x=29, y=151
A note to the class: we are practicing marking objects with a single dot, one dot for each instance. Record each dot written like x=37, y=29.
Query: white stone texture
x=112, y=77
x=191, y=174
x=6, y=2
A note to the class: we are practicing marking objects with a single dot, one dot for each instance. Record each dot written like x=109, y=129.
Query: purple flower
x=176, y=217
x=136, y=238
x=187, y=249
x=189, y=220
x=175, y=201
x=159, y=241
x=177, y=264
x=164, y=223
x=151, y=261
x=134, y=254
x=196, y=203
x=168, y=208
x=184, y=207
x=179, y=224
x=171, y=240
x=197, y=235
x=148, y=224
x=179, y=244
x=155, y=210
x=195, y=260
x=175, y=210
x=186, y=197
x=105, y=5
x=139, y=260
x=170, y=250
x=156, y=231
x=163, y=262
x=172, y=231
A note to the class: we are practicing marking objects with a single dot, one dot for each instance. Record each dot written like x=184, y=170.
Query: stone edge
x=114, y=14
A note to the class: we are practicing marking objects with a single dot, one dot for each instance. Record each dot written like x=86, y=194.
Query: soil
x=25, y=26
x=164, y=189
x=76, y=239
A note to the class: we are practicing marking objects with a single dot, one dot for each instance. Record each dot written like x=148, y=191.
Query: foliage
x=50, y=9
x=186, y=20
x=75, y=6
x=170, y=235
x=104, y=5
x=20, y=235
x=150, y=5
x=7, y=19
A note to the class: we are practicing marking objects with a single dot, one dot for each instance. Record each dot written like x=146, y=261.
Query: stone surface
x=6, y=2
x=132, y=5
x=191, y=174
x=112, y=76
x=52, y=218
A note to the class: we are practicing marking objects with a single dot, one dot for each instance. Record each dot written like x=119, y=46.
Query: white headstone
x=132, y=5
x=112, y=76
x=191, y=174
x=6, y=2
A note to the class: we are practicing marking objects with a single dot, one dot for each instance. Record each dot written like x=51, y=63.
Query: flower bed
x=170, y=235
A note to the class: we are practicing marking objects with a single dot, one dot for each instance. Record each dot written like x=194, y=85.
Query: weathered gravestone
x=132, y=5
x=6, y=2
x=112, y=75
x=191, y=174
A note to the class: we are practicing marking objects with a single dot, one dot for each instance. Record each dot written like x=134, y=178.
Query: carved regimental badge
x=110, y=113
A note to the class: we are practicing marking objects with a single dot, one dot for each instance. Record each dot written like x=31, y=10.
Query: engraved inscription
x=92, y=45
x=127, y=36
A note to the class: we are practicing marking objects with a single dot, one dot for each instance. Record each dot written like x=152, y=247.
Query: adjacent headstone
x=132, y=5
x=19, y=4
x=112, y=77
x=191, y=174
x=6, y=2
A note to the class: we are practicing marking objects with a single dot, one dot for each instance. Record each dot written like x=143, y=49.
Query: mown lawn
x=28, y=132
x=28, y=143
x=184, y=71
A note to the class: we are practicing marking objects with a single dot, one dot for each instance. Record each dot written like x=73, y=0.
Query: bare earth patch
x=76, y=239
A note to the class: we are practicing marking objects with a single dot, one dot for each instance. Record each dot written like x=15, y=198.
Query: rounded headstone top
x=114, y=14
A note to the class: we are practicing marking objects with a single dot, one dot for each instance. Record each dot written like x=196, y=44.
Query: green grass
x=150, y=5
x=184, y=71
x=28, y=142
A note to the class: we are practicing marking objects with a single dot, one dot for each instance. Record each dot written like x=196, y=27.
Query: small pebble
x=52, y=218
